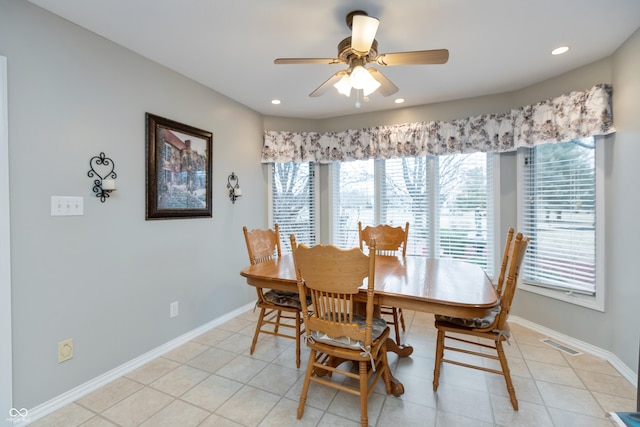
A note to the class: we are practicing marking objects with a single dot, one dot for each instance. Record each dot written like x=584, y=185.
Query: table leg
x=401, y=350
x=397, y=389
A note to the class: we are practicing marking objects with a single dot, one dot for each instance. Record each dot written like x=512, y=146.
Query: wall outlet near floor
x=65, y=350
x=173, y=309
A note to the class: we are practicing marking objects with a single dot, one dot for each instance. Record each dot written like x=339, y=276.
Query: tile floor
x=213, y=381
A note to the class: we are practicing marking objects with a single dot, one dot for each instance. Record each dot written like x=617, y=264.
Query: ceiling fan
x=361, y=49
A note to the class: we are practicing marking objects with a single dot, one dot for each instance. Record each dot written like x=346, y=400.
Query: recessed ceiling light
x=560, y=50
x=275, y=101
x=399, y=100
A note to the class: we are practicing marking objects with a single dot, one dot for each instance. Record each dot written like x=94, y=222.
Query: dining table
x=439, y=286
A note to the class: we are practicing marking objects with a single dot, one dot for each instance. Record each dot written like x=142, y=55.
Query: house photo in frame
x=178, y=170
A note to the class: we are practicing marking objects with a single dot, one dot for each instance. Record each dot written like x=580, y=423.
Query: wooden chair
x=505, y=260
x=388, y=242
x=334, y=332
x=278, y=309
x=493, y=327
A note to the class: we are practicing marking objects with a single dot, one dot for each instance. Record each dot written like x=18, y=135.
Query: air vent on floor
x=561, y=347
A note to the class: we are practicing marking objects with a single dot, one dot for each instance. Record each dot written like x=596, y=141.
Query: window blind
x=559, y=214
x=353, y=200
x=293, y=202
x=465, y=208
x=447, y=200
x=404, y=196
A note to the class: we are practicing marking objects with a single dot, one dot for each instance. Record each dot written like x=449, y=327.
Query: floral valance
x=574, y=115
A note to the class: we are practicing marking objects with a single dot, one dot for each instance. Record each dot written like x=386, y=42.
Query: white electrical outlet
x=65, y=350
x=173, y=309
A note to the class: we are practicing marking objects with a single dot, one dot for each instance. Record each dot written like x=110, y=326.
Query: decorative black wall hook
x=104, y=169
x=233, y=184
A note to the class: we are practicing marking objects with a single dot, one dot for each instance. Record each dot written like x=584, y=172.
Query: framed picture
x=178, y=170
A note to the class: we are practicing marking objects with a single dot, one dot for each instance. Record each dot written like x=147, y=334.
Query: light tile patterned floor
x=213, y=381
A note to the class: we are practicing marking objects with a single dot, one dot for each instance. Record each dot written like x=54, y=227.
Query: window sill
x=587, y=301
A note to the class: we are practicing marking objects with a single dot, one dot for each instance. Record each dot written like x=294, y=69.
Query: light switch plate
x=67, y=205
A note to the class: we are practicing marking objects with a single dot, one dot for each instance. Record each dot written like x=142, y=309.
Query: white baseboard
x=624, y=370
x=101, y=380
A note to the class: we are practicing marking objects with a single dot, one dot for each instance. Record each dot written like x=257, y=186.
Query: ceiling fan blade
x=307, y=61
x=329, y=83
x=436, y=56
x=363, y=32
x=386, y=86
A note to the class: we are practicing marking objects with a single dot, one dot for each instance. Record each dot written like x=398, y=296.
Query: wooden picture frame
x=178, y=170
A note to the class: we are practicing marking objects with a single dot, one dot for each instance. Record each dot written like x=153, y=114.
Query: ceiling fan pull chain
x=358, y=98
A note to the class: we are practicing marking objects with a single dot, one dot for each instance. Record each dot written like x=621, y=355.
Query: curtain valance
x=573, y=115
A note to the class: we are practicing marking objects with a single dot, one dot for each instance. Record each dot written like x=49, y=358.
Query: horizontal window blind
x=465, y=209
x=447, y=200
x=404, y=196
x=353, y=200
x=559, y=215
x=293, y=202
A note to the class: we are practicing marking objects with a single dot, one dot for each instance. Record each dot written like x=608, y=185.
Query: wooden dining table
x=439, y=286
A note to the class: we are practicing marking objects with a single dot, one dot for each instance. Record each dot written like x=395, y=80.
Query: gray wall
x=623, y=206
x=106, y=278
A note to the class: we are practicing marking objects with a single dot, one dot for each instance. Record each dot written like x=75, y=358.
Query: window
x=447, y=200
x=404, y=196
x=353, y=199
x=559, y=187
x=293, y=204
x=465, y=208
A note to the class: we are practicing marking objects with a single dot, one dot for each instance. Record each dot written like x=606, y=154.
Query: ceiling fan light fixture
x=358, y=77
x=344, y=86
x=361, y=78
x=370, y=87
x=361, y=49
x=364, y=32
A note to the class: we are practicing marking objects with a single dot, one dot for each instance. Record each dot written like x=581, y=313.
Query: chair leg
x=396, y=325
x=402, y=320
x=275, y=329
x=439, y=355
x=364, y=393
x=258, y=328
x=386, y=374
x=305, y=385
x=298, y=322
x=507, y=374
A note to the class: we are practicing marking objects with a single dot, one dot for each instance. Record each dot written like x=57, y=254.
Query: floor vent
x=561, y=347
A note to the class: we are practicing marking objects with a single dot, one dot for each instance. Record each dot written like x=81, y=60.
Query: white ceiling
x=494, y=45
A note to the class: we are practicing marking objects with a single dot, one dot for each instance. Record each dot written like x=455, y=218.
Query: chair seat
x=379, y=326
x=283, y=299
x=476, y=322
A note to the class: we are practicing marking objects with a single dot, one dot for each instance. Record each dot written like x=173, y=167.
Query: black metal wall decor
x=103, y=169
x=233, y=184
